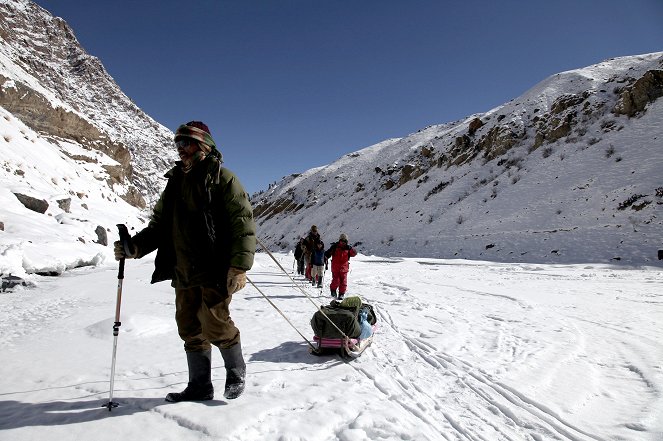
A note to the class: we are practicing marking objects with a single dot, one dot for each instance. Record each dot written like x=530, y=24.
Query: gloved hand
x=120, y=253
x=236, y=280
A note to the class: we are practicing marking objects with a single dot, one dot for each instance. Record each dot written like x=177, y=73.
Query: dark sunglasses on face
x=183, y=143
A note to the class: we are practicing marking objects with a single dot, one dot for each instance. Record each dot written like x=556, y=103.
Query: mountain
x=77, y=156
x=570, y=171
x=50, y=83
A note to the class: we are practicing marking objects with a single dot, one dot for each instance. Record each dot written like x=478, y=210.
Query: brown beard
x=187, y=164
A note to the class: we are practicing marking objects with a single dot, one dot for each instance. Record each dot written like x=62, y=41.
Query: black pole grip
x=125, y=238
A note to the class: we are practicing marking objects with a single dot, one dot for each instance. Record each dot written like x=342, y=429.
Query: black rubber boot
x=200, y=386
x=333, y=293
x=235, y=371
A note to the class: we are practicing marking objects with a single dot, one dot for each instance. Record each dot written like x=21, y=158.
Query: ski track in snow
x=524, y=415
x=472, y=379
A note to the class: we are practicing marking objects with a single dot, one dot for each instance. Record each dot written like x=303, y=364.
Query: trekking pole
x=124, y=239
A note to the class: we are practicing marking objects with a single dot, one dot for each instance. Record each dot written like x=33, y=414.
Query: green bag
x=344, y=318
x=344, y=315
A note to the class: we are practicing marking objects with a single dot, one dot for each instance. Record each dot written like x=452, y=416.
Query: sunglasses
x=183, y=143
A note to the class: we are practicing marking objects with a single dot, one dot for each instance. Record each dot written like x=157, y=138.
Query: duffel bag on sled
x=346, y=326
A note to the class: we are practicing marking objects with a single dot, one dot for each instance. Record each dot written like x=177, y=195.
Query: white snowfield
x=464, y=351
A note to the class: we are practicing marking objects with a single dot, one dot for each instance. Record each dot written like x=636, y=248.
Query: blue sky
x=286, y=85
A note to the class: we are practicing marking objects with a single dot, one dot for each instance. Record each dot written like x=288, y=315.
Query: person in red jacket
x=340, y=253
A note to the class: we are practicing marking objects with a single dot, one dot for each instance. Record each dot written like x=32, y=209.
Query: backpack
x=345, y=318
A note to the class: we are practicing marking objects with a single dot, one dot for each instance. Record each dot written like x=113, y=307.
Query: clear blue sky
x=286, y=85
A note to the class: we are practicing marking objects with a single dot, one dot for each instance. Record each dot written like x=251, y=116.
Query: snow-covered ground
x=464, y=351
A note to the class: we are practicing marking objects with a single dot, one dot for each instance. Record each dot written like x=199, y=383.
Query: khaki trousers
x=203, y=318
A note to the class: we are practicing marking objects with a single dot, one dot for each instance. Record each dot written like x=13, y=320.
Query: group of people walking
x=312, y=260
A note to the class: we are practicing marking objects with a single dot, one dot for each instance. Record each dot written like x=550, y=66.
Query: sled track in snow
x=524, y=415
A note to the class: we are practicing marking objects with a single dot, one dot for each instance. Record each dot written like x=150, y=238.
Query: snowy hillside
x=69, y=200
x=571, y=171
x=69, y=167
x=56, y=88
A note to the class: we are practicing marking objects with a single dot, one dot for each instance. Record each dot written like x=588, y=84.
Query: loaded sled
x=346, y=327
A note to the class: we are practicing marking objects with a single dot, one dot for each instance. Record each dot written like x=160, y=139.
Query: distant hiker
x=203, y=230
x=340, y=253
x=309, y=242
x=299, y=256
x=318, y=263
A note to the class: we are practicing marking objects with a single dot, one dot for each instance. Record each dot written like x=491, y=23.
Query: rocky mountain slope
x=571, y=171
x=77, y=156
x=49, y=82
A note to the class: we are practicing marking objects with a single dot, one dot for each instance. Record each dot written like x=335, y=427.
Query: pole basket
x=110, y=405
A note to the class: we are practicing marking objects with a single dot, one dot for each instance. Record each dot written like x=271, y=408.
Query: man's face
x=186, y=147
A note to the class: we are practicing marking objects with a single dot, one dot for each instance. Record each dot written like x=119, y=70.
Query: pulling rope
x=282, y=314
x=345, y=337
x=286, y=272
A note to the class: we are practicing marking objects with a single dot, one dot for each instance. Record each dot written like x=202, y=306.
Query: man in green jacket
x=203, y=230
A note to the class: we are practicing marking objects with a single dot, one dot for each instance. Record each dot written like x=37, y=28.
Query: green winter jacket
x=201, y=225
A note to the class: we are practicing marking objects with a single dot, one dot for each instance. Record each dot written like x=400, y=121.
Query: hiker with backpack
x=340, y=253
x=309, y=246
x=299, y=256
x=203, y=230
x=318, y=263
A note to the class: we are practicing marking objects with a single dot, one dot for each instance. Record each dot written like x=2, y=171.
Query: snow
x=463, y=350
x=59, y=239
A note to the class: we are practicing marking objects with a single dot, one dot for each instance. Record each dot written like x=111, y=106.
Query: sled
x=347, y=347
x=338, y=328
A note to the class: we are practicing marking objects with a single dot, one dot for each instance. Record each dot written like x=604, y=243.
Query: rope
x=282, y=314
x=302, y=290
x=286, y=272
